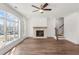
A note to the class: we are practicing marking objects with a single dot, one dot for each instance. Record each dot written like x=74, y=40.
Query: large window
x=2, y=27
x=9, y=27
x=2, y=38
x=12, y=27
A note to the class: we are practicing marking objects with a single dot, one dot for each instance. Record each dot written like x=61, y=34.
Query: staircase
x=60, y=37
x=59, y=32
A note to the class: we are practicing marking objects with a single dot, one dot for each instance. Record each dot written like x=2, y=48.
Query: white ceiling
x=58, y=9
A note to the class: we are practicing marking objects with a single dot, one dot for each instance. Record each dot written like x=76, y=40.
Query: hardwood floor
x=45, y=47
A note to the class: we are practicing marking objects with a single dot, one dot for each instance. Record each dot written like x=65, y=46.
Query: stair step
x=60, y=34
x=60, y=37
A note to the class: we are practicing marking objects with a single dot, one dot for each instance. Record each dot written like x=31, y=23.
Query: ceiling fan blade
x=35, y=7
x=47, y=9
x=45, y=5
x=41, y=6
x=35, y=10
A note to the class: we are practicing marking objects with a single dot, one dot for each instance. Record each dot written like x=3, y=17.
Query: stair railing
x=56, y=30
x=61, y=26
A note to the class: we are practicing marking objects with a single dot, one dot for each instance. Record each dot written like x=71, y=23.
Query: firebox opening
x=40, y=33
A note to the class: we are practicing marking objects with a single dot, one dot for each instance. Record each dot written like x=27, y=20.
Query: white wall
x=71, y=27
x=26, y=28
x=39, y=21
x=51, y=26
x=35, y=22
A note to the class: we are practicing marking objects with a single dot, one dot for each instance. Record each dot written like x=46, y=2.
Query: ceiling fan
x=42, y=8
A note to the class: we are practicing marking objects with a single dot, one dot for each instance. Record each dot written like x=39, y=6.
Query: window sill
x=7, y=46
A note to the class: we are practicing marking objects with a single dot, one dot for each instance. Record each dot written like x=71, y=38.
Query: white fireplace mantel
x=40, y=27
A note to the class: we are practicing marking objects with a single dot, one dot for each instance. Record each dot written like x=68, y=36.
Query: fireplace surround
x=40, y=32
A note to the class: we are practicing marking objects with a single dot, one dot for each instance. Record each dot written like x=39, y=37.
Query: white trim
x=75, y=42
x=40, y=28
x=10, y=45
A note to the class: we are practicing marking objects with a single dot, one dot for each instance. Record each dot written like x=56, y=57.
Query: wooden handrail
x=61, y=26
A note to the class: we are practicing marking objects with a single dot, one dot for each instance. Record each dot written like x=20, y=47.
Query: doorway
x=60, y=26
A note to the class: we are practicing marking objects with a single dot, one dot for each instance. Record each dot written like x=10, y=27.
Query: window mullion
x=5, y=27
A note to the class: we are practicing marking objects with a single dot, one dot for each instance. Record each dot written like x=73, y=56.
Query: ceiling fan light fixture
x=42, y=8
x=41, y=11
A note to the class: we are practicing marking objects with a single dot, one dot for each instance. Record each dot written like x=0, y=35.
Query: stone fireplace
x=40, y=32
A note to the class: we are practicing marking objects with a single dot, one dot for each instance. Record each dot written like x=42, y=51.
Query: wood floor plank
x=46, y=47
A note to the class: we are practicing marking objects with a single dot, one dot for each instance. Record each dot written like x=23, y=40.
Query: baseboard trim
x=40, y=38
x=29, y=37
x=76, y=43
x=50, y=37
